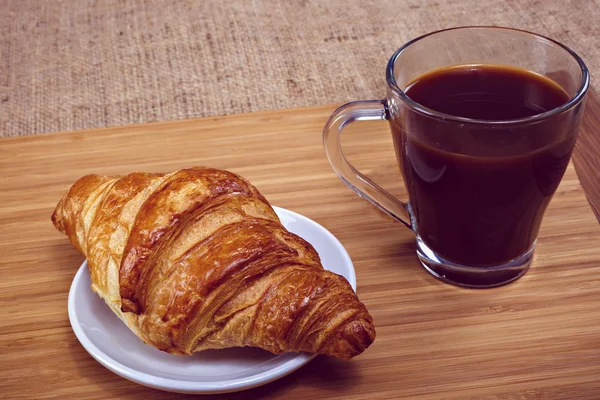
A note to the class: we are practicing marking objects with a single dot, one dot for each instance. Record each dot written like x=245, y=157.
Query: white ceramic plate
x=113, y=345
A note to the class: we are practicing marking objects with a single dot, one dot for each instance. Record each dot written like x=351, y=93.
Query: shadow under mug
x=476, y=214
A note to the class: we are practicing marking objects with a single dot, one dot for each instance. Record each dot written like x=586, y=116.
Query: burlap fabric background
x=76, y=64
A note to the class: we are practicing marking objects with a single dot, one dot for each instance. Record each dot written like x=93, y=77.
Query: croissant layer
x=197, y=259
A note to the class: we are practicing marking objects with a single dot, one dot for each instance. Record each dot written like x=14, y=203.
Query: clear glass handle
x=366, y=110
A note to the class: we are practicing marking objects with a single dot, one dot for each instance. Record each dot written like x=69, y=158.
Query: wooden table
x=536, y=338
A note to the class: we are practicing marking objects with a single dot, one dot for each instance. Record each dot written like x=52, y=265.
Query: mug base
x=470, y=276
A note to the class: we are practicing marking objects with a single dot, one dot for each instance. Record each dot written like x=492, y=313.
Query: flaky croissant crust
x=197, y=259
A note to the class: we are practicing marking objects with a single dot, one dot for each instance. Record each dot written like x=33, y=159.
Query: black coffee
x=475, y=205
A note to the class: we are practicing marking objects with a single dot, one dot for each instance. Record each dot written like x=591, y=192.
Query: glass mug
x=478, y=188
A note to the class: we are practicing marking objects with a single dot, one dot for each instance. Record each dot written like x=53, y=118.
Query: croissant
x=197, y=259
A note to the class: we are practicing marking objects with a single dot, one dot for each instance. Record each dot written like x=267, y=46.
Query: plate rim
x=180, y=386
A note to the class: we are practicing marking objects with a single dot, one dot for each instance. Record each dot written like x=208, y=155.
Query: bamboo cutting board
x=536, y=338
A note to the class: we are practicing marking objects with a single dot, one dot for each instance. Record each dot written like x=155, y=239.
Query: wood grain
x=586, y=156
x=536, y=338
